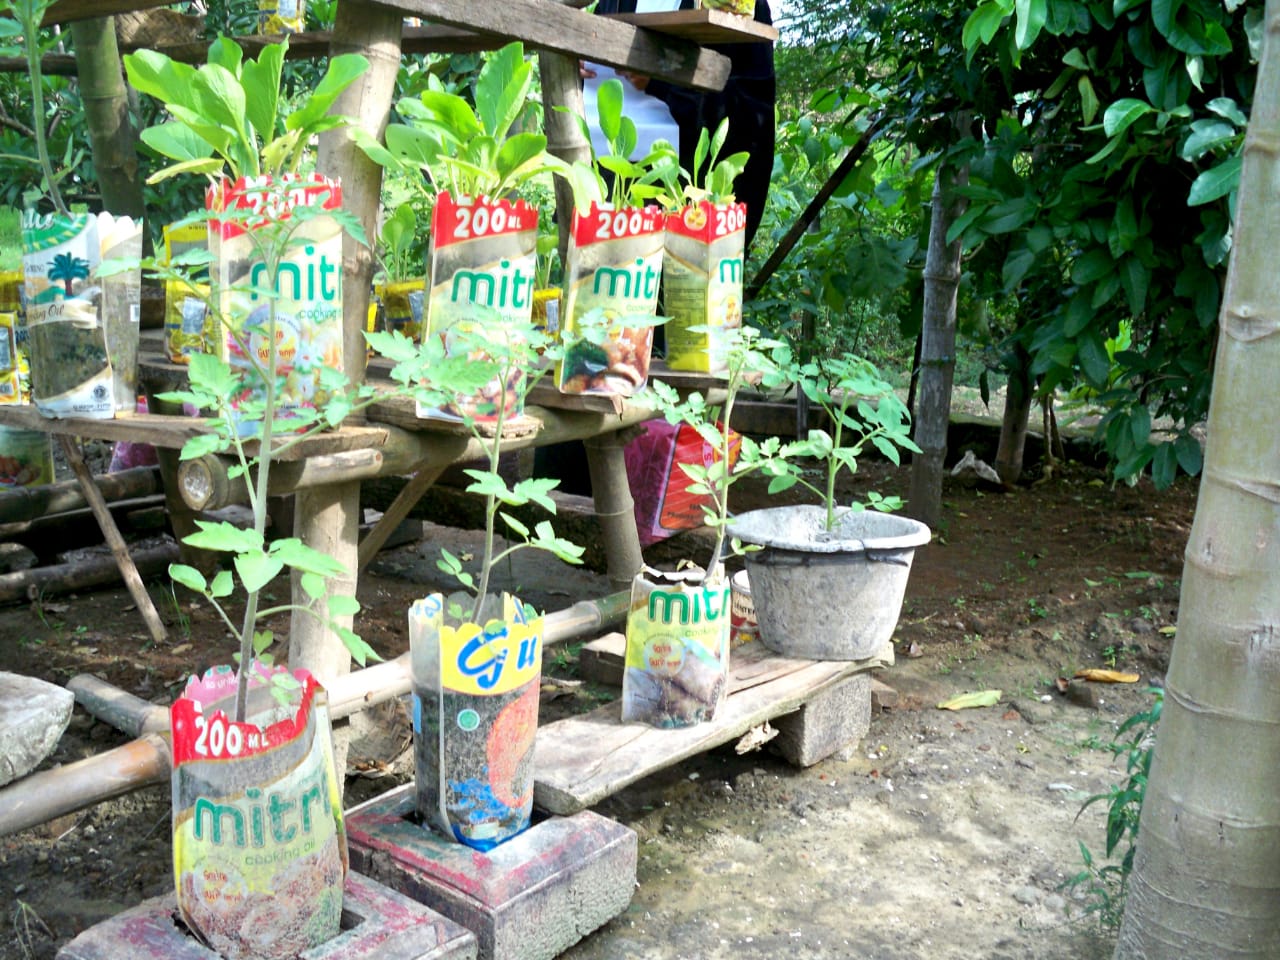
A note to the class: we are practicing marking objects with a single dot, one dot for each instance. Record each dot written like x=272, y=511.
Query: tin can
x=743, y=627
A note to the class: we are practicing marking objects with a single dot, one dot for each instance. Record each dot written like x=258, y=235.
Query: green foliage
x=24, y=29
x=634, y=182
x=750, y=360
x=711, y=178
x=1105, y=884
x=1130, y=225
x=489, y=355
x=863, y=409
x=466, y=150
x=228, y=115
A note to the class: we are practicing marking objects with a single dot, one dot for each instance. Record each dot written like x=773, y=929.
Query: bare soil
x=943, y=834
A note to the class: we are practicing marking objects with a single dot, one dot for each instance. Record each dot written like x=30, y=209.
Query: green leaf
x=1030, y=16
x=1216, y=182
x=360, y=651
x=223, y=536
x=1088, y=100
x=261, y=81
x=1092, y=354
x=1190, y=456
x=223, y=584
x=256, y=570
x=342, y=72
x=1122, y=114
x=343, y=605
x=501, y=89
x=313, y=585
x=968, y=701
x=299, y=556
x=1164, y=466
x=189, y=577
x=176, y=141
x=981, y=27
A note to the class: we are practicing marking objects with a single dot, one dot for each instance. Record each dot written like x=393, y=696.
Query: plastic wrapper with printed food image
x=475, y=713
x=308, y=295
x=612, y=271
x=482, y=261
x=259, y=843
x=702, y=284
x=677, y=653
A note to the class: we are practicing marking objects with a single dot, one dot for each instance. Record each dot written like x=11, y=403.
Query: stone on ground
x=33, y=715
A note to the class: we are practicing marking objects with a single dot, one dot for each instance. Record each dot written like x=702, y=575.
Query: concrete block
x=834, y=718
x=377, y=924
x=602, y=660
x=529, y=898
x=883, y=696
x=33, y=714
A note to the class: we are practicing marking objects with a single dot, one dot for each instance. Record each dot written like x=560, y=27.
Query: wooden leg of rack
x=93, y=496
x=614, y=507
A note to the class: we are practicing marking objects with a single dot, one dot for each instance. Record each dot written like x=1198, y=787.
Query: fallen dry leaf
x=967, y=701
x=1106, y=676
x=914, y=652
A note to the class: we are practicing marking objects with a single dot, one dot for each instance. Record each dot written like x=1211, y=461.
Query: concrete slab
x=834, y=718
x=33, y=714
x=529, y=898
x=377, y=924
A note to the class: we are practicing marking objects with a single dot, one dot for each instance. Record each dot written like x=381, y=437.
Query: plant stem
x=31, y=44
x=258, y=490
x=490, y=503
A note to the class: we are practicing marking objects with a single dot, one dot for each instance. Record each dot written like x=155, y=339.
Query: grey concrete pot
x=828, y=596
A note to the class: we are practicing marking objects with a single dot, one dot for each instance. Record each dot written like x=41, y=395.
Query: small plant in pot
x=482, y=255
x=477, y=658
x=82, y=327
x=827, y=580
x=259, y=842
x=229, y=120
x=677, y=653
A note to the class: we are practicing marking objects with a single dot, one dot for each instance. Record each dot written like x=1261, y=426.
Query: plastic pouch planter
x=702, y=284
x=308, y=294
x=677, y=654
x=828, y=596
x=614, y=262
x=259, y=845
x=82, y=331
x=475, y=714
x=481, y=261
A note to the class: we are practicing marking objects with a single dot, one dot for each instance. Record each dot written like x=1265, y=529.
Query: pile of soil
x=943, y=834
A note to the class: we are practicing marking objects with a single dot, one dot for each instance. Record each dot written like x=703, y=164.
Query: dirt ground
x=942, y=835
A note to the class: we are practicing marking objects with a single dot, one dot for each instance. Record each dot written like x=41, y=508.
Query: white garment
x=651, y=116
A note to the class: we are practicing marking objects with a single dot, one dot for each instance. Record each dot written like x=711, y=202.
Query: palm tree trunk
x=1206, y=881
x=937, y=349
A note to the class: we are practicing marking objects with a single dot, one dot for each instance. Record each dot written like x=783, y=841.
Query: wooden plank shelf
x=702, y=26
x=581, y=760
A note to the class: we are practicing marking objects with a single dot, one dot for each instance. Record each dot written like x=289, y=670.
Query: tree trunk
x=1206, y=882
x=112, y=134
x=938, y=349
x=562, y=87
x=1017, y=407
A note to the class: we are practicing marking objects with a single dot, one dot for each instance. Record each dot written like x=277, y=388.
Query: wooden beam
x=67, y=11
x=545, y=25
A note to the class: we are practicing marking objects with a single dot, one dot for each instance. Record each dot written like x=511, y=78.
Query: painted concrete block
x=529, y=898
x=377, y=924
x=837, y=717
